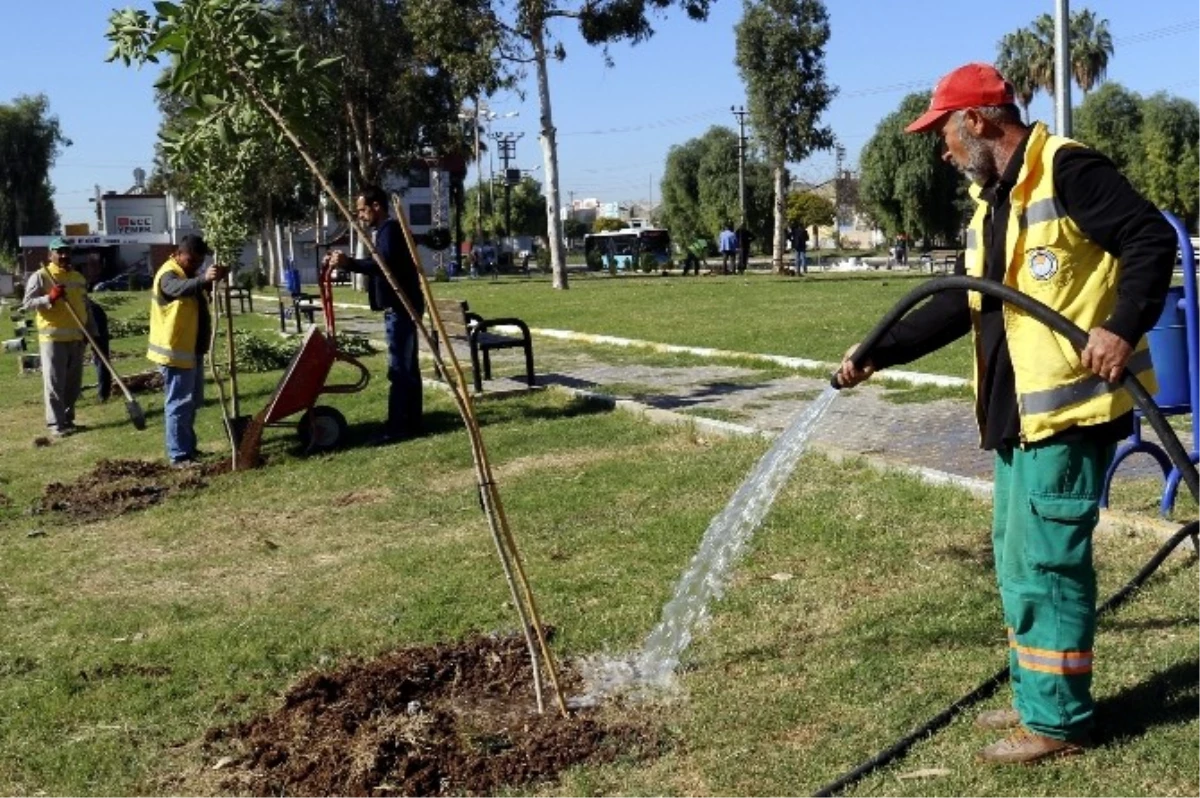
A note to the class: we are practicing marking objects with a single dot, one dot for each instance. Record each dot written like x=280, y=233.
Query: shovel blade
x=135, y=414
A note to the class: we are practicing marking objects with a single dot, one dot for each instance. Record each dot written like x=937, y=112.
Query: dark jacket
x=389, y=240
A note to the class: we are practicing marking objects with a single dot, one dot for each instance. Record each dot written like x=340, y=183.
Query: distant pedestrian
x=744, y=237
x=695, y=256
x=49, y=291
x=901, y=250
x=727, y=242
x=800, y=247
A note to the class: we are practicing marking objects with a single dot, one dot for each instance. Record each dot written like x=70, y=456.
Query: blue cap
x=58, y=242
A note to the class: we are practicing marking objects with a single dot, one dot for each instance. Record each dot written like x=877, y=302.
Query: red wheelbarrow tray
x=305, y=377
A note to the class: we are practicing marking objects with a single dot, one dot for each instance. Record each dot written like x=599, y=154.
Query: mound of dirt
x=143, y=382
x=442, y=720
x=116, y=487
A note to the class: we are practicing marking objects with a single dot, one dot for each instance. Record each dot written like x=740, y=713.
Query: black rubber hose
x=1174, y=448
x=1055, y=321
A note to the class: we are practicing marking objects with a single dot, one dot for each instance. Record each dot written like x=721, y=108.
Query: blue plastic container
x=1168, y=351
x=292, y=278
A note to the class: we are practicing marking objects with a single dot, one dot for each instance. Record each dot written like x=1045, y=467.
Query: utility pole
x=1062, y=68
x=839, y=186
x=740, y=113
x=508, y=152
x=478, y=182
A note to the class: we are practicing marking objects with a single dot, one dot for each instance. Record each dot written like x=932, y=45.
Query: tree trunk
x=558, y=255
x=777, y=249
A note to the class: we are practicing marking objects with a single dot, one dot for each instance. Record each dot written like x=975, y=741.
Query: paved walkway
x=935, y=438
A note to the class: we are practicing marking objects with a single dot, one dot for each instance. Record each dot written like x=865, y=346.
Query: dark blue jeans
x=404, y=374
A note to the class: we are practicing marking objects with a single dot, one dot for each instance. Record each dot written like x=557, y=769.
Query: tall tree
x=228, y=60
x=1017, y=60
x=1091, y=47
x=781, y=58
x=905, y=185
x=680, y=189
x=600, y=22
x=30, y=141
x=1027, y=55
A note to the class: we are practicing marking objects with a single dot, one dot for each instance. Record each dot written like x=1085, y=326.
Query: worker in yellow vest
x=60, y=340
x=180, y=328
x=1057, y=222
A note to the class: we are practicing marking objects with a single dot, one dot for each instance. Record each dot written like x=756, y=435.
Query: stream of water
x=653, y=668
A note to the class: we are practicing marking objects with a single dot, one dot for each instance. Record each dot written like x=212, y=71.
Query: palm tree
x=1091, y=47
x=1041, y=65
x=1017, y=56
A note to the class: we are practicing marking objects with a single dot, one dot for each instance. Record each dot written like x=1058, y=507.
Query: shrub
x=138, y=324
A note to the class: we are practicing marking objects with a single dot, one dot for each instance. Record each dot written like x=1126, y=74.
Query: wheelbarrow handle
x=364, y=376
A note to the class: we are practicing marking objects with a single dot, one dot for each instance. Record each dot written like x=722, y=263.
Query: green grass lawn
x=817, y=317
x=865, y=603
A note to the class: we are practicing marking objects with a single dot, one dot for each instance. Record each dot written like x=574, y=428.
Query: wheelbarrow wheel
x=321, y=429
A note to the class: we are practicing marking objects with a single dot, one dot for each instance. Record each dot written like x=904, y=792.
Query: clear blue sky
x=615, y=124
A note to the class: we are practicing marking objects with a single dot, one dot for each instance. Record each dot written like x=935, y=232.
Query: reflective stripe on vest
x=1087, y=388
x=173, y=354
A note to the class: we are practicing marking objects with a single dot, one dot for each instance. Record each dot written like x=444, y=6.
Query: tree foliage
x=905, y=185
x=404, y=69
x=230, y=62
x=700, y=188
x=1026, y=56
x=809, y=209
x=30, y=141
x=607, y=223
x=1110, y=120
x=527, y=216
x=1168, y=172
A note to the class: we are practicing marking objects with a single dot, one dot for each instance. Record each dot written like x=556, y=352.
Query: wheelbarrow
x=320, y=427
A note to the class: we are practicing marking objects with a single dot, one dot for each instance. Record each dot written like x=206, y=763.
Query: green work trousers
x=1046, y=508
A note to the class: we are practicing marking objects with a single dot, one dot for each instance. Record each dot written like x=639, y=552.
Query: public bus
x=624, y=248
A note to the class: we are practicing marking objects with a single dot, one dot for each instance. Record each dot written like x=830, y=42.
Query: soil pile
x=143, y=382
x=443, y=720
x=116, y=487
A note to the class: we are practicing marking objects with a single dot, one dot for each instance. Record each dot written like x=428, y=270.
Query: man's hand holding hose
x=848, y=374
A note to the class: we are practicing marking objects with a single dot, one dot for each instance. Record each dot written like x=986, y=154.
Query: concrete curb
x=888, y=375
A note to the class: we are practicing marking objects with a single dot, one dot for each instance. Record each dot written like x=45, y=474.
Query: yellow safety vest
x=1052, y=260
x=55, y=322
x=174, y=323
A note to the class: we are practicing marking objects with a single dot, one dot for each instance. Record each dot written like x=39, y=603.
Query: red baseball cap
x=969, y=86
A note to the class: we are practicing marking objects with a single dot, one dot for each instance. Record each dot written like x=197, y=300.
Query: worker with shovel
x=179, y=333
x=49, y=291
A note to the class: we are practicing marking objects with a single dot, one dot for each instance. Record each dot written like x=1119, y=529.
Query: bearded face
x=970, y=154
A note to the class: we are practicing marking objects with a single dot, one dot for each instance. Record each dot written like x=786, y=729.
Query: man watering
x=1054, y=220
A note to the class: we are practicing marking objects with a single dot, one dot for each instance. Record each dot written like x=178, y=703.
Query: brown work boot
x=998, y=719
x=1024, y=747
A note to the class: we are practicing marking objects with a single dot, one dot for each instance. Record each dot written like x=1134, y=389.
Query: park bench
x=477, y=333
x=296, y=303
